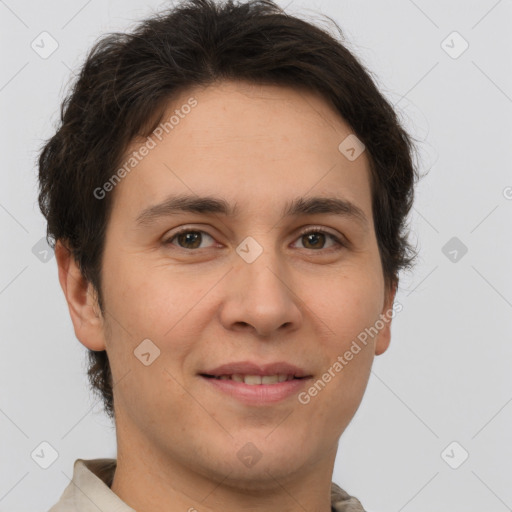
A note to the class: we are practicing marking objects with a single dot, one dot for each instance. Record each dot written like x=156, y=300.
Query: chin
x=275, y=462
x=263, y=476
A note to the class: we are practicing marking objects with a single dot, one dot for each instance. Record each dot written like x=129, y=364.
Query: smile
x=254, y=380
x=256, y=390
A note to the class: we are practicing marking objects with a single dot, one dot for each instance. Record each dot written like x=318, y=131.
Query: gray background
x=446, y=376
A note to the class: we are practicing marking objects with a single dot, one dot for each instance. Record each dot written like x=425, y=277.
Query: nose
x=260, y=297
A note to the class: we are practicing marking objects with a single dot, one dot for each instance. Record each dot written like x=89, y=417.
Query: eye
x=314, y=238
x=188, y=238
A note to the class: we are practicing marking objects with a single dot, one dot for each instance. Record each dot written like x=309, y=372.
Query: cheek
x=148, y=303
x=353, y=306
x=151, y=298
x=155, y=302
x=349, y=304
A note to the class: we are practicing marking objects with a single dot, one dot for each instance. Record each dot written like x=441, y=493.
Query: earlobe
x=384, y=337
x=81, y=298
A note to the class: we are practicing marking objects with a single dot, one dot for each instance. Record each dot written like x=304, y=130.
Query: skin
x=302, y=300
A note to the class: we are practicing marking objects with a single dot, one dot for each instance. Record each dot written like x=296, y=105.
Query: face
x=252, y=278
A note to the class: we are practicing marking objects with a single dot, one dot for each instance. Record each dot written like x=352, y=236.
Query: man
x=227, y=193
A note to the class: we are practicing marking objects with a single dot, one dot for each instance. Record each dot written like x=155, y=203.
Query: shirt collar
x=89, y=491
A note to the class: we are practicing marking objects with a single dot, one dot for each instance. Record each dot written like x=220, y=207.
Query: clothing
x=89, y=491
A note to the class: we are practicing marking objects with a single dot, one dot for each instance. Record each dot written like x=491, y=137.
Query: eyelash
x=340, y=245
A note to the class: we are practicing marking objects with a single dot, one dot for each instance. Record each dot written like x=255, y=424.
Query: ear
x=384, y=337
x=81, y=298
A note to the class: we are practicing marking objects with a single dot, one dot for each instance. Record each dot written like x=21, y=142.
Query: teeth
x=254, y=380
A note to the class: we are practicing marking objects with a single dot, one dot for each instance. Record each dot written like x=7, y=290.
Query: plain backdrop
x=434, y=429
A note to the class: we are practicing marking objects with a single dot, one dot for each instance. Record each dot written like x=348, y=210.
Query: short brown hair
x=129, y=79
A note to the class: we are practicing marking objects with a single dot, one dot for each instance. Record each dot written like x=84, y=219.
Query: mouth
x=255, y=384
x=255, y=380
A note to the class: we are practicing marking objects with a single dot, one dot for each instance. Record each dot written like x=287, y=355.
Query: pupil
x=190, y=237
x=314, y=236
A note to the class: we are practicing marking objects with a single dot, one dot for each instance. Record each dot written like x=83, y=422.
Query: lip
x=259, y=394
x=250, y=368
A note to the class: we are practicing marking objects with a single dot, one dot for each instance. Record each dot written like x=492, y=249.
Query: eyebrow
x=212, y=205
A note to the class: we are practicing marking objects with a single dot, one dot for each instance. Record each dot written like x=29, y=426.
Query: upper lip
x=250, y=368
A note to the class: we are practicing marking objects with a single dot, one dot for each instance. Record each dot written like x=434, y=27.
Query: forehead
x=248, y=142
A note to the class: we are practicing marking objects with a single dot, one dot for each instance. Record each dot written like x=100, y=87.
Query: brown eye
x=188, y=239
x=315, y=239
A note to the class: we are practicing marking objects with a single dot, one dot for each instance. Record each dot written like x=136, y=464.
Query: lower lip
x=259, y=393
